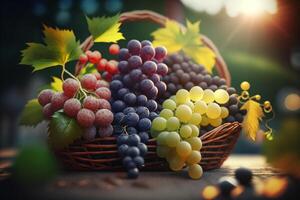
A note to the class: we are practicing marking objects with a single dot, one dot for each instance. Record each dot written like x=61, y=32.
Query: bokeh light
x=288, y=100
x=113, y=5
x=292, y=102
x=89, y=6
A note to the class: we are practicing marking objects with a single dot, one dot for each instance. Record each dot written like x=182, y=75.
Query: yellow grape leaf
x=105, y=29
x=56, y=84
x=252, y=118
x=188, y=40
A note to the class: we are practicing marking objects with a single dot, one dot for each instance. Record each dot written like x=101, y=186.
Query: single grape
x=85, y=117
x=112, y=67
x=169, y=104
x=144, y=137
x=123, y=66
x=152, y=93
x=119, y=118
x=124, y=54
x=121, y=93
x=104, y=117
x=162, y=69
x=185, y=131
x=176, y=163
x=142, y=100
x=94, y=57
x=173, y=124
x=190, y=104
x=130, y=99
x=135, y=62
x=131, y=119
x=146, y=85
x=133, y=173
x=143, y=112
x=139, y=161
x=144, y=124
x=106, y=131
x=107, y=76
x=133, y=151
x=172, y=139
x=149, y=68
x=155, y=78
x=114, y=49
x=146, y=43
x=128, y=110
x=102, y=83
x=116, y=85
x=103, y=104
x=153, y=115
x=245, y=85
x=162, y=138
x=45, y=96
x=134, y=47
x=159, y=124
x=213, y=111
x=182, y=96
x=196, y=119
x=160, y=53
x=183, y=113
x=47, y=111
x=89, y=133
x=195, y=143
x=147, y=52
x=195, y=130
x=70, y=87
x=122, y=139
x=118, y=106
x=57, y=101
x=88, y=81
x=135, y=74
x=134, y=140
x=194, y=158
x=221, y=96
x=195, y=171
x=151, y=105
x=166, y=113
x=131, y=130
x=204, y=121
x=215, y=122
x=208, y=96
x=101, y=65
x=196, y=93
x=161, y=87
x=72, y=107
x=122, y=150
x=91, y=103
x=83, y=59
x=183, y=149
x=103, y=93
x=97, y=75
x=224, y=112
x=143, y=149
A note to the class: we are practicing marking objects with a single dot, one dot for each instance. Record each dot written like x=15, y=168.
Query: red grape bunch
x=107, y=68
x=85, y=100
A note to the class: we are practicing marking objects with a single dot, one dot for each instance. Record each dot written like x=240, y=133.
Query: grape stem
x=64, y=70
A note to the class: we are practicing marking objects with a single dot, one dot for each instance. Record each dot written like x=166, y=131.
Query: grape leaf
x=105, y=29
x=176, y=39
x=56, y=84
x=32, y=114
x=60, y=47
x=63, y=130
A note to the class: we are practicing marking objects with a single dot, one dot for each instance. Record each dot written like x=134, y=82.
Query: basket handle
x=146, y=15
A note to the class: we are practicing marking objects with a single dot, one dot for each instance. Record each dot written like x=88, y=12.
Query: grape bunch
x=86, y=100
x=133, y=103
x=177, y=130
x=184, y=74
x=107, y=68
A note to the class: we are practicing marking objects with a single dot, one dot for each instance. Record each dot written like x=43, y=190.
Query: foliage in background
x=176, y=39
x=283, y=152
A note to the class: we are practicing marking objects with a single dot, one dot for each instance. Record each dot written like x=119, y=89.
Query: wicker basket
x=101, y=153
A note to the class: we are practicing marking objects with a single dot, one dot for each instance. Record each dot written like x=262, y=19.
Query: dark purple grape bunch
x=133, y=103
x=184, y=73
x=86, y=100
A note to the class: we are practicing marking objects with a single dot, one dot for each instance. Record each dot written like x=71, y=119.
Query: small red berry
x=95, y=57
x=97, y=75
x=111, y=67
x=101, y=65
x=83, y=59
x=107, y=76
x=114, y=49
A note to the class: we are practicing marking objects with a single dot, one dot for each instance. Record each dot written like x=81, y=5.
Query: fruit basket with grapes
x=156, y=106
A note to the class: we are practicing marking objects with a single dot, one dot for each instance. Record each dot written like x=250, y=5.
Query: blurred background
x=259, y=40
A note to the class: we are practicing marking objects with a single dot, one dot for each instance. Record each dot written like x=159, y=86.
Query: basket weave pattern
x=101, y=153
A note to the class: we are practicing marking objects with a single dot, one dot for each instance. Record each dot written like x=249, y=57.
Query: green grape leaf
x=105, y=29
x=56, y=84
x=60, y=47
x=63, y=130
x=32, y=114
x=177, y=39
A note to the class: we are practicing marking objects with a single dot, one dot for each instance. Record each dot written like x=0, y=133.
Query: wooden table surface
x=150, y=185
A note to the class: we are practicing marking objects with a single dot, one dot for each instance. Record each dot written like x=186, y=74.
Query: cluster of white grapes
x=177, y=127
